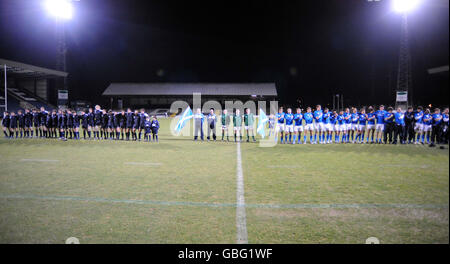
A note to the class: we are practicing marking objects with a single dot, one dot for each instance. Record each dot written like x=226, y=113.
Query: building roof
x=130, y=89
x=26, y=70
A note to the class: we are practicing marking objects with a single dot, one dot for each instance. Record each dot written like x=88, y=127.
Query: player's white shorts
x=279, y=127
x=418, y=127
x=328, y=127
x=379, y=127
x=348, y=126
x=224, y=127
x=361, y=127
x=370, y=126
x=237, y=128
x=309, y=127
x=319, y=127
x=298, y=128
x=248, y=127
x=354, y=127
x=426, y=128
x=337, y=127
x=289, y=128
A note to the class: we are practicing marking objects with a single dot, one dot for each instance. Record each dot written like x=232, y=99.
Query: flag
x=187, y=114
x=262, y=120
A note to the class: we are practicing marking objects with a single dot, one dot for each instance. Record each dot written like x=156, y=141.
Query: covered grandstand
x=161, y=95
x=28, y=86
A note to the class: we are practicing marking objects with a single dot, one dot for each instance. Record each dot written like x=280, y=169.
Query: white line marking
x=143, y=163
x=205, y=204
x=39, y=160
x=241, y=220
x=283, y=166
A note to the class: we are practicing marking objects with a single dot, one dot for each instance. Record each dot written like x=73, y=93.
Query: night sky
x=311, y=49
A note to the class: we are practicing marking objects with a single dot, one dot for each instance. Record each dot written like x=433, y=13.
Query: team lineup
x=379, y=126
x=420, y=126
x=95, y=124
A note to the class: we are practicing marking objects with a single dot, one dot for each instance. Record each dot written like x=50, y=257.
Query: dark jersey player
x=129, y=122
x=142, y=118
x=136, y=124
x=5, y=124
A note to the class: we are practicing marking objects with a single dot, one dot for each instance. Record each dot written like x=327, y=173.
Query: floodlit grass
x=180, y=191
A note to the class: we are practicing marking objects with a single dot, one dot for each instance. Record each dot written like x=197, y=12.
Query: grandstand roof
x=130, y=89
x=26, y=70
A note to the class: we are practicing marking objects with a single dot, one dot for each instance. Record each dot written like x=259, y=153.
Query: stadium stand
x=28, y=85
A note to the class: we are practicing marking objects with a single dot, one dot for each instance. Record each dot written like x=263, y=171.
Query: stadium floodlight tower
x=404, y=89
x=61, y=10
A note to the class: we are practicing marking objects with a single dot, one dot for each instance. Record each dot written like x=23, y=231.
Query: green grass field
x=181, y=191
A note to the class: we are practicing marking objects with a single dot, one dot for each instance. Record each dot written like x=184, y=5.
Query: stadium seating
x=13, y=103
x=19, y=99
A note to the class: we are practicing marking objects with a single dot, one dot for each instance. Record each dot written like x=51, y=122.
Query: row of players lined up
x=372, y=126
x=96, y=124
x=379, y=126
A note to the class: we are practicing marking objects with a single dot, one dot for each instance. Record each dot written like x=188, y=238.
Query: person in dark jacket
x=28, y=123
x=129, y=122
x=388, y=126
x=21, y=123
x=110, y=124
x=155, y=128
x=62, y=124
x=136, y=124
x=123, y=123
x=54, y=124
x=69, y=128
x=409, y=125
x=5, y=124
x=148, y=129
x=35, y=122
x=76, y=124
x=142, y=118
x=13, y=125
x=42, y=122
x=84, y=123
x=104, y=130
x=91, y=122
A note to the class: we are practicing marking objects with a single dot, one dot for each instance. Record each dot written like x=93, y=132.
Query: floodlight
x=404, y=6
x=59, y=8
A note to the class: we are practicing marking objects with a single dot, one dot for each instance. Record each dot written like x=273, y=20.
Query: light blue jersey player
x=371, y=118
x=362, y=123
x=380, y=115
x=341, y=127
x=354, y=117
x=318, y=124
x=328, y=129
x=280, y=124
x=289, y=126
x=426, y=120
x=418, y=127
x=347, y=125
x=298, y=126
x=309, y=119
x=334, y=124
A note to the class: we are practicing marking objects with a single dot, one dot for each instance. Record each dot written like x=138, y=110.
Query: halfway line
x=241, y=220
